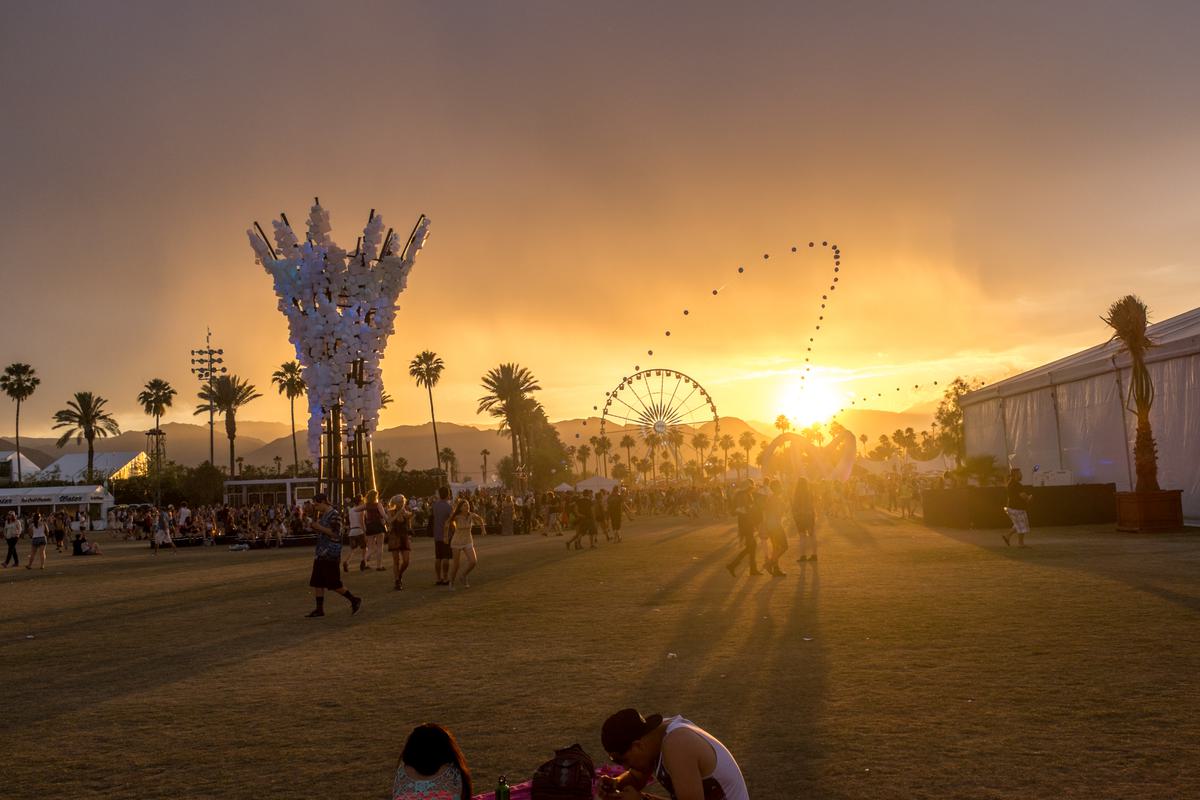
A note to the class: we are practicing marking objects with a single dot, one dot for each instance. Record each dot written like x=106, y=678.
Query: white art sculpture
x=341, y=309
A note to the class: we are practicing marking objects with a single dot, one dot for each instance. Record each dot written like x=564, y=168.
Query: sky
x=994, y=175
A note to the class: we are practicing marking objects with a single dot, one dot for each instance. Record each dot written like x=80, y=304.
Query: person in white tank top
x=686, y=760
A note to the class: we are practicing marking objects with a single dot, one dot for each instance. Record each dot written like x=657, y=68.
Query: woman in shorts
x=37, y=534
x=399, y=538
x=462, y=543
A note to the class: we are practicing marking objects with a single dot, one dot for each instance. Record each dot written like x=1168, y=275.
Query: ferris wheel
x=659, y=401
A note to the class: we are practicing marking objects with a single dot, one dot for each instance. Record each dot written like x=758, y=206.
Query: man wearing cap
x=687, y=761
x=325, y=574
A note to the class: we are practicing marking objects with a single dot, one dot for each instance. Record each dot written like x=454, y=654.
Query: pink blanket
x=522, y=791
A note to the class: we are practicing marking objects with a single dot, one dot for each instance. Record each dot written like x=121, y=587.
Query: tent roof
x=73, y=465
x=50, y=495
x=564, y=487
x=1175, y=337
x=596, y=482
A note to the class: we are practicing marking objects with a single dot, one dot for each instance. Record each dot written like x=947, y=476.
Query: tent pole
x=1004, y=430
x=1057, y=428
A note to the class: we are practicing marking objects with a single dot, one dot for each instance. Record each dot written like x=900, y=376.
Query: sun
x=808, y=401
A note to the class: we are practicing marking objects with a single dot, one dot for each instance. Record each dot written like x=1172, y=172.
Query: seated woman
x=82, y=546
x=431, y=767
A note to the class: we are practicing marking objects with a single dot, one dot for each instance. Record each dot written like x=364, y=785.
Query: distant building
x=8, y=467
x=72, y=468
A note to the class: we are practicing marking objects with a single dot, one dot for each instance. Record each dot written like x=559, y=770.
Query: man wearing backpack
x=686, y=760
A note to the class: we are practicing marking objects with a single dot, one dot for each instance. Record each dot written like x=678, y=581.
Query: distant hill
x=882, y=423
x=39, y=457
x=186, y=443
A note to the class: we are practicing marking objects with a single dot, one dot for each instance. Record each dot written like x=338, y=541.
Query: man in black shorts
x=439, y=516
x=325, y=572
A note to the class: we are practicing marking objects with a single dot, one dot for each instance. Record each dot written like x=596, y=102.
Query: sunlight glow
x=807, y=401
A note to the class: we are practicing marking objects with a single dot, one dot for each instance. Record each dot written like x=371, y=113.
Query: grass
x=910, y=663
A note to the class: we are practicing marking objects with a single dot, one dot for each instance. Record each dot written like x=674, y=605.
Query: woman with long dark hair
x=431, y=767
x=805, y=518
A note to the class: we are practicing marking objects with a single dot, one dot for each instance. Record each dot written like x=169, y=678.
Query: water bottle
x=502, y=789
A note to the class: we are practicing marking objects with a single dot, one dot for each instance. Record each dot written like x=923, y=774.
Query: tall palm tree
x=653, y=442
x=426, y=369
x=739, y=461
x=450, y=459
x=674, y=438
x=85, y=419
x=747, y=441
x=18, y=382
x=700, y=444
x=628, y=442
x=289, y=381
x=726, y=444
x=508, y=387
x=1128, y=317
x=225, y=396
x=583, y=453
x=485, y=453
x=783, y=423
x=603, y=447
x=155, y=398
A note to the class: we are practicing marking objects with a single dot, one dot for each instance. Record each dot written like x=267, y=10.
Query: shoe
x=1005, y=536
x=355, y=605
x=345, y=565
x=362, y=566
x=397, y=586
x=316, y=612
x=381, y=569
x=451, y=585
x=466, y=582
x=732, y=569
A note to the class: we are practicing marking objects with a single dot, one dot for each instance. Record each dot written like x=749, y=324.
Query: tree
x=278, y=464
x=884, y=450
x=155, y=398
x=289, y=382
x=85, y=419
x=643, y=466
x=747, y=441
x=628, y=442
x=620, y=471
x=667, y=469
x=674, y=438
x=948, y=418
x=582, y=454
x=783, y=423
x=653, y=442
x=813, y=434
x=700, y=444
x=726, y=444
x=508, y=387
x=241, y=467
x=225, y=396
x=450, y=459
x=401, y=464
x=603, y=446
x=864, y=440
x=1128, y=317
x=426, y=369
x=485, y=453
x=19, y=381
x=738, y=462
x=905, y=441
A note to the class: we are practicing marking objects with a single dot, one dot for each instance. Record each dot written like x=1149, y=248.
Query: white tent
x=8, y=460
x=48, y=498
x=1069, y=417
x=105, y=466
x=596, y=483
x=564, y=487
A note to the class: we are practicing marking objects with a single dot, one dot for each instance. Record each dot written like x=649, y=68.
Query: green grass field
x=909, y=663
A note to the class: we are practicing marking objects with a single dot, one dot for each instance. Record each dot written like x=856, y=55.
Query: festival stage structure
x=341, y=307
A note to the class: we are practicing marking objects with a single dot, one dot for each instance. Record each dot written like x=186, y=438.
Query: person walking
x=616, y=505
x=399, y=538
x=461, y=540
x=358, y=536
x=774, y=510
x=507, y=509
x=375, y=526
x=746, y=510
x=804, y=516
x=37, y=536
x=325, y=575
x=12, y=534
x=162, y=532
x=1017, y=508
x=439, y=519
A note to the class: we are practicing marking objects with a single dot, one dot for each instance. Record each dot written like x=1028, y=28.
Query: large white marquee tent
x=1071, y=416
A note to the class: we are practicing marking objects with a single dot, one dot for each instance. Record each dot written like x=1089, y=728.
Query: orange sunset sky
x=995, y=175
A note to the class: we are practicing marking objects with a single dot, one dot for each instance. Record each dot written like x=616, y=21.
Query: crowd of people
x=67, y=531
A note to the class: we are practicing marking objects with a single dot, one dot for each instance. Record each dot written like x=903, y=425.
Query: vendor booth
x=94, y=499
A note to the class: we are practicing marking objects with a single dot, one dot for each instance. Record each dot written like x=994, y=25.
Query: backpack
x=567, y=776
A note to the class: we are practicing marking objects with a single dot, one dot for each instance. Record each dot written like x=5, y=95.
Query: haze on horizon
x=995, y=175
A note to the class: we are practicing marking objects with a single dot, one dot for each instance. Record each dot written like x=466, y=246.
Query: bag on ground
x=567, y=776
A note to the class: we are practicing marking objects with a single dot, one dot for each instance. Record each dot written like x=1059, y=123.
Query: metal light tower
x=204, y=367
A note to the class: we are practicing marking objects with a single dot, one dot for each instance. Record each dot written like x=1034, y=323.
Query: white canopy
x=564, y=487
x=55, y=496
x=1069, y=416
x=596, y=483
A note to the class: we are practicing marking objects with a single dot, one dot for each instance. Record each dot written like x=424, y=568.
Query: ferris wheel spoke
x=639, y=397
x=622, y=401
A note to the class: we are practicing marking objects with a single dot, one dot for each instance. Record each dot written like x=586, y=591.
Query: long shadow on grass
x=854, y=532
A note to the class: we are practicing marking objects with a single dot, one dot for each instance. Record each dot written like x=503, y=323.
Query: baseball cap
x=625, y=727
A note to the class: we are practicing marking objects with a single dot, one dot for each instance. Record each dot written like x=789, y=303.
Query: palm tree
x=401, y=464
x=628, y=442
x=700, y=444
x=18, y=382
x=450, y=459
x=85, y=419
x=739, y=461
x=225, y=396
x=726, y=443
x=508, y=387
x=747, y=441
x=426, y=369
x=278, y=464
x=674, y=438
x=603, y=447
x=1127, y=317
x=783, y=423
x=653, y=442
x=863, y=438
x=241, y=465
x=155, y=399
x=485, y=453
x=290, y=382
x=582, y=454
